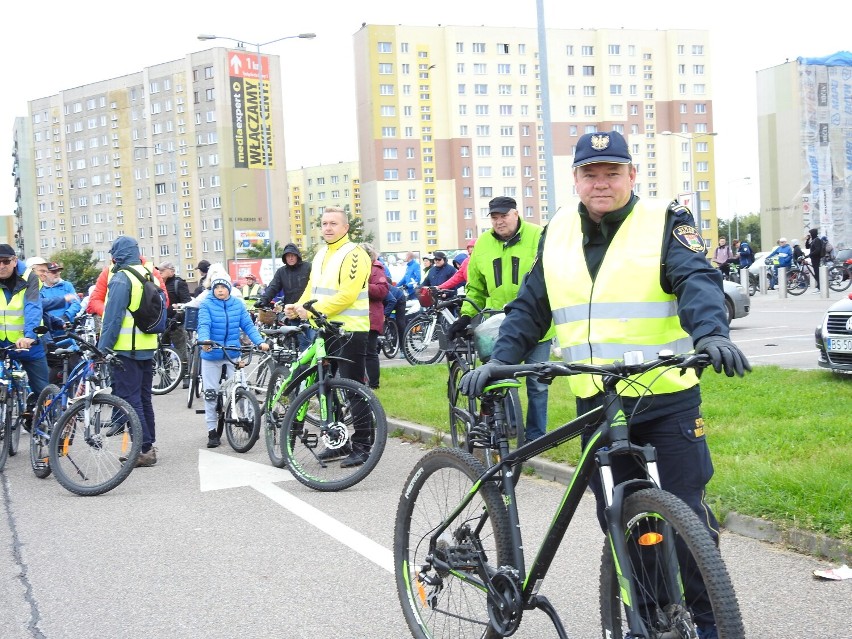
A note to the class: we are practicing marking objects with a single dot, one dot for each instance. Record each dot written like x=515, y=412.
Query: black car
x=834, y=337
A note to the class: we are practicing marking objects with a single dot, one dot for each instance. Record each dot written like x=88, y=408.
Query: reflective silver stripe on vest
x=611, y=351
x=352, y=312
x=319, y=290
x=612, y=310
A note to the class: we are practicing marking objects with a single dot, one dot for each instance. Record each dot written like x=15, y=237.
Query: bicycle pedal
x=311, y=440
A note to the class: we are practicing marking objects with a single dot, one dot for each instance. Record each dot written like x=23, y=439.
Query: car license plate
x=840, y=345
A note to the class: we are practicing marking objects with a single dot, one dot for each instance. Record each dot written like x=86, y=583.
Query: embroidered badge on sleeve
x=689, y=237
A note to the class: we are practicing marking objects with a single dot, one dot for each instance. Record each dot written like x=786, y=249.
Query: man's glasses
x=5, y=261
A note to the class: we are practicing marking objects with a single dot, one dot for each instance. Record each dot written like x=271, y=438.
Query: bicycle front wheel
x=94, y=446
x=167, y=370
x=242, y=421
x=16, y=408
x=679, y=579
x=344, y=451
x=273, y=417
x=797, y=283
x=418, y=346
x=5, y=432
x=45, y=415
x=194, y=377
x=440, y=588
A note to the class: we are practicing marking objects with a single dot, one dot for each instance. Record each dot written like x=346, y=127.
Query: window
x=697, y=49
x=479, y=47
x=461, y=89
x=208, y=73
x=615, y=89
x=480, y=89
x=483, y=151
x=481, y=109
x=504, y=69
x=384, y=47
x=388, y=110
x=391, y=195
x=587, y=50
x=588, y=70
x=614, y=49
x=385, y=68
x=386, y=89
x=391, y=174
x=485, y=191
x=483, y=129
x=394, y=238
x=390, y=153
x=701, y=108
x=698, y=69
x=392, y=216
x=388, y=131
x=589, y=91
x=480, y=69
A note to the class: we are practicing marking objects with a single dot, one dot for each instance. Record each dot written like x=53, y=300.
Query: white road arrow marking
x=217, y=471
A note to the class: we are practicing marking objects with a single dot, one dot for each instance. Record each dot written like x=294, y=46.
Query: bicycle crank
x=505, y=605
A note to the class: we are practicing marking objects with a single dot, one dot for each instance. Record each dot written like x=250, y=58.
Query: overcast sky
x=49, y=46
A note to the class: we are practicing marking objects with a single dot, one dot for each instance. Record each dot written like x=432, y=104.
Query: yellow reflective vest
x=250, y=291
x=327, y=281
x=624, y=309
x=12, y=312
x=129, y=338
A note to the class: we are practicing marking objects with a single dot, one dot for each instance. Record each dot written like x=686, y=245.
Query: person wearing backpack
x=122, y=333
x=814, y=243
x=746, y=254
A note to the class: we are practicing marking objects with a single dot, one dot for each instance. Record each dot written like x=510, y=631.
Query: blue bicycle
x=13, y=394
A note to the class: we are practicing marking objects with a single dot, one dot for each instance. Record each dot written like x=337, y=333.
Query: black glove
x=474, y=381
x=458, y=327
x=723, y=354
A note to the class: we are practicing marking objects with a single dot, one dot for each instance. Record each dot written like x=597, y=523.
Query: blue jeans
x=133, y=384
x=38, y=374
x=537, y=394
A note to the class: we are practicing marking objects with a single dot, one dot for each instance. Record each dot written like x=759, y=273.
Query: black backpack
x=151, y=316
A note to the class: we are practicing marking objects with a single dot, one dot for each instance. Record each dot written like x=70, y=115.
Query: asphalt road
x=221, y=545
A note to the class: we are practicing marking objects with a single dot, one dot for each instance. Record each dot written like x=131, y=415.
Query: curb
x=800, y=541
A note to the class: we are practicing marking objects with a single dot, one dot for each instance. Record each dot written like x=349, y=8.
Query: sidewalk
x=799, y=540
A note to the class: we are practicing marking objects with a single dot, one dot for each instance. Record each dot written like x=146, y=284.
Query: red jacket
x=377, y=290
x=98, y=295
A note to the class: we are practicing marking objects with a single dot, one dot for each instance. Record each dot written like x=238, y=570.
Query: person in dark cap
x=496, y=268
x=131, y=380
x=202, y=268
x=290, y=280
x=440, y=272
x=20, y=305
x=620, y=275
x=58, y=297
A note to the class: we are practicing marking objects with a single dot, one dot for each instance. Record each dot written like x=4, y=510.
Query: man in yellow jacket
x=339, y=275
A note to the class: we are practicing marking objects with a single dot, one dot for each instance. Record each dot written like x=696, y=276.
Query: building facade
x=449, y=117
x=177, y=155
x=316, y=187
x=805, y=149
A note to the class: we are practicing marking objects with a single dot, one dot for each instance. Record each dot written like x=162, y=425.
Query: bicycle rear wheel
x=797, y=283
x=679, y=579
x=351, y=446
x=94, y=447
x=390, y=341
x=417, y=346
x=45, y=415
x=439, y=588
x=273, y=416
x=839, y=279
x=167, y=370
x=242, y=421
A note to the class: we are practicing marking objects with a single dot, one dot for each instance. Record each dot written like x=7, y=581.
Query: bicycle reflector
x=424, y=296
x=650, y=539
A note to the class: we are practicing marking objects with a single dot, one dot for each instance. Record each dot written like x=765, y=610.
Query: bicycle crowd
x=297, y=362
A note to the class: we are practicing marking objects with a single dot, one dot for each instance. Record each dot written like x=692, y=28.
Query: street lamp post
x=234, y=219
x=263, y=131
x=690, y=137
x=736, y=216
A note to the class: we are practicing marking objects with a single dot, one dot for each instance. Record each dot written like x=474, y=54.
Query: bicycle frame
x=608, y=441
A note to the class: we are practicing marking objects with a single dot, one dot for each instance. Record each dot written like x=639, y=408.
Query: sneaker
x=355, y=458
x=815, y=292
x=148, y=459
x=213, y=440
x=335, y=453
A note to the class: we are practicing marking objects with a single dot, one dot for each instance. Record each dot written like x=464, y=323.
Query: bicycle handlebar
x=244, y=350
x=550, y=370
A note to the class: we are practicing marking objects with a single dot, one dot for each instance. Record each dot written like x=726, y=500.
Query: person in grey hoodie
x=135, y=349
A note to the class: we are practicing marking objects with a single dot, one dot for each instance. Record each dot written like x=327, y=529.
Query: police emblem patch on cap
x=600, y=142
x=689, y=237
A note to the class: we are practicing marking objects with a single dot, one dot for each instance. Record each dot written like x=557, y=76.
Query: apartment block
x=805, y=148
x=316, y=187
x=451, y=116
x=177, y=155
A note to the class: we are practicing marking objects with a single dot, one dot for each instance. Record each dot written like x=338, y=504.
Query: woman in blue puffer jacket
x=220, y=319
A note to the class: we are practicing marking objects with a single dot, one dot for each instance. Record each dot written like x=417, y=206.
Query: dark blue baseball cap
x=594, y=148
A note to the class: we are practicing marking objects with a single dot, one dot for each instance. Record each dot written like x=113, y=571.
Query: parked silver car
x=737, y=302
x=834, y=337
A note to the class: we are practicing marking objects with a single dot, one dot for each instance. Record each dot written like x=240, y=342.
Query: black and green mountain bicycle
x=459, y=557
x=330, y=432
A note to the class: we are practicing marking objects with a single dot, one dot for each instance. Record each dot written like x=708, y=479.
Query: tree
x=262, y=250
x=748, y=225
x=78, y=267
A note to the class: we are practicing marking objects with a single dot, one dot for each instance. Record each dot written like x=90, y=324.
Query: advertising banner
x=251, y=110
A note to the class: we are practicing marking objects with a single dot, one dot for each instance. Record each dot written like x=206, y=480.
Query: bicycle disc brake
x=335, y=436
x=504, y=602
